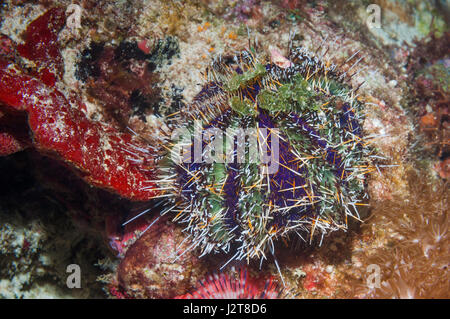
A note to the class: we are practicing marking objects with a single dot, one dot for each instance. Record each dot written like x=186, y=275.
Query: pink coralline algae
x=9, y=144
x=121, y=237
x=60, y=128
x=155, y=265
x=245, y=10
x=12, y=139
x=224, y=286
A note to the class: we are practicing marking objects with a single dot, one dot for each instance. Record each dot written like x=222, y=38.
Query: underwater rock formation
x=57, y=99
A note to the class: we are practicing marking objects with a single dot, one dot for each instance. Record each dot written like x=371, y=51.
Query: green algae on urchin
x=282, y=154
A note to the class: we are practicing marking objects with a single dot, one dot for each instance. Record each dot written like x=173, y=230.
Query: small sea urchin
x=243, y=286
x=267, y=149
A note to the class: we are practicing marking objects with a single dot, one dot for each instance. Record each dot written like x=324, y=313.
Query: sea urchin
x=266, y=150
